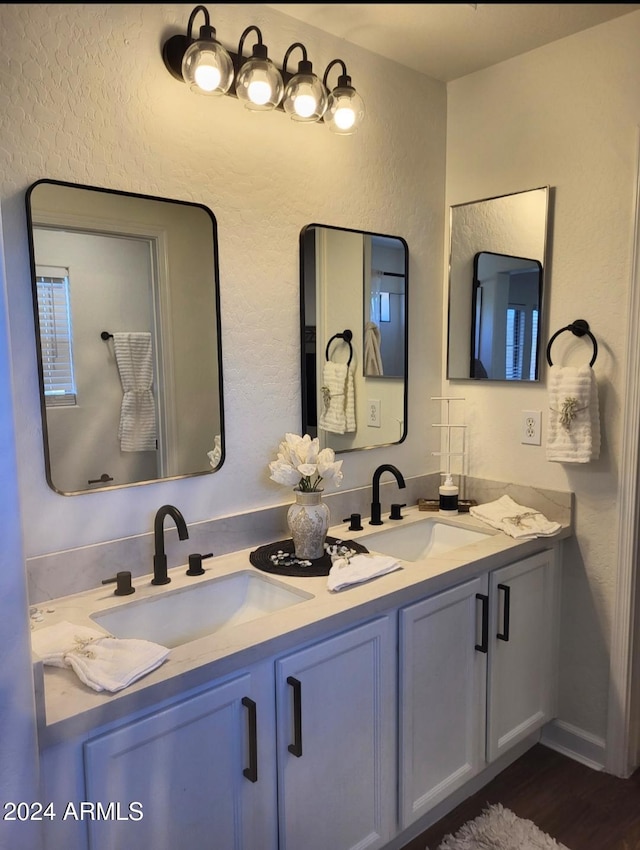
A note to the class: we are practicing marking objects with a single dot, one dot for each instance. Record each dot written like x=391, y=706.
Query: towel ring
x=578, y=328
x=347, y=336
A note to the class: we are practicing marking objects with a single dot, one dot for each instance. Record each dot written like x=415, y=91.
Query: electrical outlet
x=531, y=427
x=373, y=407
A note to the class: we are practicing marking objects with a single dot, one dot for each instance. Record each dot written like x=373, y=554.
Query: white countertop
x=67, y=707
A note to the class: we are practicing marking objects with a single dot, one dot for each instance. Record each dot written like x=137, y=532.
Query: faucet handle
x=355, y=521
x=195, y=564
x=396, y=511
x=122, y=580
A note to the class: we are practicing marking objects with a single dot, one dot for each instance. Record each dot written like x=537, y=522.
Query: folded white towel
x=100, y=661
x=134, y=356
x=574, y=418
x=515, y=520
x=359, y=568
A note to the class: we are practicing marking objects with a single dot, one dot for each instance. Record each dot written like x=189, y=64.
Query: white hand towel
x=110, y=664
x=372, y=353
x=102, y=662
x=574, y=418
x=334, y=386
x=134, y=356
x=359, y=568
x=350, y=403
x=515, y=520
x=53, y=642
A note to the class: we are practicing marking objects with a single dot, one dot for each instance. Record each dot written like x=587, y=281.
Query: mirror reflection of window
x=504, y=333
x=512, y=226
x=56, y=336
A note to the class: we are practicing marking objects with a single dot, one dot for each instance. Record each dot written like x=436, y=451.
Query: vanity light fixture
x=208, y=68
x=205, y=66
x=259, y=83
x=305, y=96
x=345, y=107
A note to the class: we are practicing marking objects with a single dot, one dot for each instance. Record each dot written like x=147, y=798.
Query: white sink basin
x=176, y=617
x=427, y=538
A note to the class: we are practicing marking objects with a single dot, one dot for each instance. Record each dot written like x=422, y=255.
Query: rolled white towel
x=359, y=568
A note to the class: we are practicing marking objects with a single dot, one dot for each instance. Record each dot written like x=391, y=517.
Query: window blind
x=56, y=342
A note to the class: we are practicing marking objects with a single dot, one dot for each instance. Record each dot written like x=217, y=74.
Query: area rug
x=498, y=828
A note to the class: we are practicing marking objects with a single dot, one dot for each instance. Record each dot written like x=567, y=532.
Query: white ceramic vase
x=308, y=520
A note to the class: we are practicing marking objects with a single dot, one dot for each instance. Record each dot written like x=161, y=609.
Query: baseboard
x=575, y=742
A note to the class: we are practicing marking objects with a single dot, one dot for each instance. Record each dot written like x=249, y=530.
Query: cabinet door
x=522, y=650
x=190, y=768
x=337, y=742
x=443, y=669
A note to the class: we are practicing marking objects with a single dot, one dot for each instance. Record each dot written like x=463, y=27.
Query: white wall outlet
x=373, y=412
x=531, y=427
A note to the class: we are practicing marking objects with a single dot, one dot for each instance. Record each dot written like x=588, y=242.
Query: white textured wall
x=85, y=97
x=564, y=115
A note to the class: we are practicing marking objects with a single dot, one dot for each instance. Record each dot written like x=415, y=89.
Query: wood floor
x=582, y=808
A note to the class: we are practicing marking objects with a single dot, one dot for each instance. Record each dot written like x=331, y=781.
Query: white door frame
x=623, y=733
x=161, y=296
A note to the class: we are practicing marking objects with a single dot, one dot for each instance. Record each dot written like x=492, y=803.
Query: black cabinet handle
x=504, y=634
x=251, y=772
x=296, y=748
x=484, y=646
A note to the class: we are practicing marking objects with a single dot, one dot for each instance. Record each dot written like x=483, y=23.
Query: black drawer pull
x=251, y=772
x=504, y=634
x=484, y=646
x=296, y=748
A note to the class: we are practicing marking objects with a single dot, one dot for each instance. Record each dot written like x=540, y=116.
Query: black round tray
x=279, y=558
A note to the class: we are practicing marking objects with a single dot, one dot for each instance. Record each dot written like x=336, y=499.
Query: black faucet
x=375, y=505
x=159, y=558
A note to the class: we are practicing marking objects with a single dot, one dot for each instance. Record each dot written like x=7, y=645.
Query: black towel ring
x=347, y=336
x=579, y=328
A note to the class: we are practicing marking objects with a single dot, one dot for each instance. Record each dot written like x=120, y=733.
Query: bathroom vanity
x=342, y=720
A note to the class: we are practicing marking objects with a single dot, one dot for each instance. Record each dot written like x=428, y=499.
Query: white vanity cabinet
x=206, y=771
x=476, y=677
x=201, y=772
x=336, y=706
x=522, y=659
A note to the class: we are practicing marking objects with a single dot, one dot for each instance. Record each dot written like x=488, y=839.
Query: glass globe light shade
x=345, y=110
x=305, y=98
x=259, y=84
x=207, y=68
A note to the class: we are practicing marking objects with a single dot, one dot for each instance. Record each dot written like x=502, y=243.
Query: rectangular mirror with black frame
x=496, y=267
x=354, y=337
x=127, y=334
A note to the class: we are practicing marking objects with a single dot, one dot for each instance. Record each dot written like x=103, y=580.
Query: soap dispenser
x=448, y=496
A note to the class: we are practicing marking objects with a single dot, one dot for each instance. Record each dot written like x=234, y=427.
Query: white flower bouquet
x=302, y=465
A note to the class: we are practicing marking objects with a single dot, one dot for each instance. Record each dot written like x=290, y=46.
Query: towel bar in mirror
x=359, y=281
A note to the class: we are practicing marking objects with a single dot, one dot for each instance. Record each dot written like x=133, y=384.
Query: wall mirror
x=127, y=326
x=496, y=264
x=354, y=337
